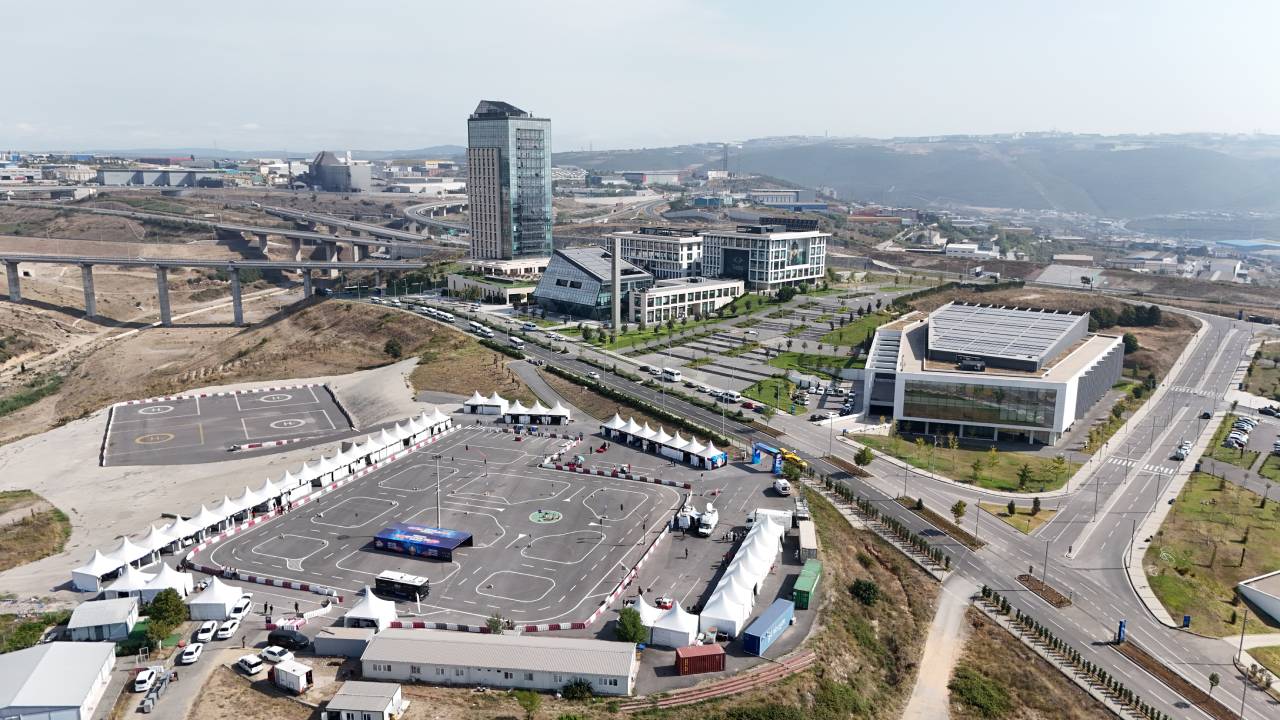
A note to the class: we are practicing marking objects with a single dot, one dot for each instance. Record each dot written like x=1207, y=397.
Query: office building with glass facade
x=508, y=182
x=663, y=252
x=985, y=373
x=765, y=257
x=695, y=297
x=579, y=282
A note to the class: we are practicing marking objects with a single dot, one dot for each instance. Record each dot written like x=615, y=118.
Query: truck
x=782, y=517
x=707, y=521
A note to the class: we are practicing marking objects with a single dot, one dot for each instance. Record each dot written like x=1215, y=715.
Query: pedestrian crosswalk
x=1149, y=467
x=1190, y=391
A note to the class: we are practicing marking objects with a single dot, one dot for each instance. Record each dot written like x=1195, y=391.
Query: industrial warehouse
x=989, y=373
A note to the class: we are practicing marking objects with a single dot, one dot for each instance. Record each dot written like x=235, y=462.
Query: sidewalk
x=931, y=698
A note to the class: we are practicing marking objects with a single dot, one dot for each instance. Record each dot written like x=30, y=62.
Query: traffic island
x=1176, y=682
x=1046, y=591
x=957, y=533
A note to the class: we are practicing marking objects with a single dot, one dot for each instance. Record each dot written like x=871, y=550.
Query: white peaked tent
x=214, y=602
x=384, y=439
x=517, y=409
x=88, y=577
x=632, y=428
x=226, y=508
x=675, y=629
x=127, y=552
x=539, y=409
x=249, y=499
x=130, y=583
x=560, y=411
x=436, y=418
x=662, y=438
x=166, y=579
x=723, y=614
x=402, y=431
x=155, y=540
x=206, y=519
x=616, y=423
x=739, y=587
x=648, y=613
x=475, y=399
x=371, y=612
x=181, y=528
x=678, y=442
x=417, y=423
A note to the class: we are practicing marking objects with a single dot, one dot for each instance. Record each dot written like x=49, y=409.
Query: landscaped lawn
x=811, y=363
x=1200, y=553
x=858, y=330
x=1240, y=458
x=1269, y=657
x=998, y=472
x=775, y=391
x=1264, y=373
x=1270, y=468
x=1023, y=520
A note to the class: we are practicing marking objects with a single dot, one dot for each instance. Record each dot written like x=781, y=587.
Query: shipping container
x=808, y=540
x=697, y=659
x=806, y=585
x=768, y=627
x=292, y=676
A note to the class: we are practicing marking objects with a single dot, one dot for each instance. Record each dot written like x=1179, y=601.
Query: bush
x=167, y=608
x=767, y=711
x=866, y=592
x=393, y=348
x=839, y=700
x=979, y=692
x=577, y=690
x=629, y=627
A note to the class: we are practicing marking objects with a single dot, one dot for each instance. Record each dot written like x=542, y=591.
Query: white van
x=249, y=664
x=730, y=396
x=782, y=486
x=670, y=375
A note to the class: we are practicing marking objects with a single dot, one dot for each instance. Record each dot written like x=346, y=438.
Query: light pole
x=1044, y=572
x=437, y=459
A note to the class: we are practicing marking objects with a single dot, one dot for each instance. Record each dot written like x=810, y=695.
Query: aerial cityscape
x=566, y=360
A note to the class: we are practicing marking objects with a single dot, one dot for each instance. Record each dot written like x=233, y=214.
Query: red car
x=664, y=603
x=748, y=405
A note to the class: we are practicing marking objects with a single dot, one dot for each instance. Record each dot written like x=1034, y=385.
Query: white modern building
x=530, y=662
x=1263, y=592
x=682, y=297
x=109, y=620
x=363, y=700
x=989, y=373
x=663, y=252
x=765, y=257
x=55, y=681
x=971, y=250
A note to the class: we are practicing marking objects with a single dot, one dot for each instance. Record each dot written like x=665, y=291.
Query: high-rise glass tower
x=509, y=182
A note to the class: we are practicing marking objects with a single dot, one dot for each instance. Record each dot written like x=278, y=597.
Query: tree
x=530, y=702
x=976, y=467
x=1214, y=679
x=495, y=624
x=767, y=412
x=1024, y=477
x=393, y=348
x=865, y=591
x=864, y=456
x=577, y=690
x=958, y=510
x=167, y=607
x=1130, y=343
x=1035, y=506
x=1013, y=509
x=629, y=627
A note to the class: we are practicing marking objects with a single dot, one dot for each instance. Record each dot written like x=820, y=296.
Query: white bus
x=475, y=326
x=447, y=317
x=516, y=342
x=671, y=375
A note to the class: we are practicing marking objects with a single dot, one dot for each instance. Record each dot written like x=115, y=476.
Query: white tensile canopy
x=371, y=611
x=710, y=451
x=226, y=508
x=437, y=417
x=127, y=551
x=648, y=613
x=476, y=399
x=539, y=409
x=181, y=528
x=271, y=490
x=517, y=408
x=402, y=431
x=559, y=410
x=88, y=577
x=675, y=629
x=662, y=438
x=214, y=602
x=678, y=442
x=695, y=448
x=616, y=423
x=417, y=423
x=168, y=578
x=496, y=399
x=384, y=439
x=155, y=539
x=248, y=499
x=206, y=518
x=632, y=428
x=130, y=582
x=723, y=614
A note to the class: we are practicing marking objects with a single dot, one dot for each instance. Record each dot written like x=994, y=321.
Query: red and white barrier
x=268, y=443
x=617, y=474
x=225, y=393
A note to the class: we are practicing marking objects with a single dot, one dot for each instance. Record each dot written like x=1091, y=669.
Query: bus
x=670, y=375
x=445, y=316
x=475, y=326
x=401, y=585
x=516, y=342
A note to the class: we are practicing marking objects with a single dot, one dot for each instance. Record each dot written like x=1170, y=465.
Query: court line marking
x=480, y=591
x=323, y=544
x=579, y=561
x=391, y=505
x=495, y=520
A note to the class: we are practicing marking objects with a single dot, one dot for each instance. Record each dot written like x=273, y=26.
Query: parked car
x=704, y=389
x=664, y=603
x=276, y=654
x=192, y=653
x=1206, y=415
x=250, y=664
x=206, y=630
x=750, y=332
x=227, y=629
x=145, y=678
x=288, y=638
x=748, y=405
x=241, y=607
x=1268, y=411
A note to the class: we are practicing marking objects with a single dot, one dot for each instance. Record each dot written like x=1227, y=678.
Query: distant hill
x=1114, y=177
x=435, y=151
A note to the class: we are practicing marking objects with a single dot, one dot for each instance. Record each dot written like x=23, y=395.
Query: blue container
x=768, y=627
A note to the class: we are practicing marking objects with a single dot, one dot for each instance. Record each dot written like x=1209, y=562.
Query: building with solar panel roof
x=989, y=373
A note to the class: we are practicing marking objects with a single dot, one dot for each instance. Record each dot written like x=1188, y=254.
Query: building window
x=987, y=404
x=457, y=672
x=528, y=677
x=439, y=671
x=415, y=670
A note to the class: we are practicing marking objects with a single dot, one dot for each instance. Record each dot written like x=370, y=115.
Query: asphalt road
x=204, y=429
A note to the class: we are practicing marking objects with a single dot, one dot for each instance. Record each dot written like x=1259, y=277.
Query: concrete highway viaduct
x=13, y=261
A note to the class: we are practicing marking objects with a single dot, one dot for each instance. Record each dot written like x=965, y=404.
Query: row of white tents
x=517, y=412
x=674, y=627
x=732, y=601
x=274, y=494
x=676, y=447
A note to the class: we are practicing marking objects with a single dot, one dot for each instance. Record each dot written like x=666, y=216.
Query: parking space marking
x=318, y=518
x=480, y=590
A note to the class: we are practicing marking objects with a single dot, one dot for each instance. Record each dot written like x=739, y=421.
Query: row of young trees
x=1068, y=655
x=869, y=510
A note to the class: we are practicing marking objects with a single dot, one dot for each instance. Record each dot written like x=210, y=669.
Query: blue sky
x=286, y=74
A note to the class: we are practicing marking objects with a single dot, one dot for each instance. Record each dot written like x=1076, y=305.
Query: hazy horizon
x=389, y=76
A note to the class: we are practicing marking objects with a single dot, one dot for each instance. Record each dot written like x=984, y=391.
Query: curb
x=225, y=393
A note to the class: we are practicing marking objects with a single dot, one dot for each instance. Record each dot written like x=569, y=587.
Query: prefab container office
x=806, y=585
x=808, y=540
x=696, y=659
x=768, y=627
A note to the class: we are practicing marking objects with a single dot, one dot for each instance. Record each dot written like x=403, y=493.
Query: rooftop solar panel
x=985, y=330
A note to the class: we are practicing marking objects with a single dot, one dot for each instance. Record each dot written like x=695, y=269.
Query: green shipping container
x=806, y=585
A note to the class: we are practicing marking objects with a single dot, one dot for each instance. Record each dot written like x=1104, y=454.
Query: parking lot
x=204, y=429
x=548, y=545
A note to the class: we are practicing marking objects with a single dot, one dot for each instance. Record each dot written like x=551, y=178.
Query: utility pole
x=437, y=459
x=1044, y=572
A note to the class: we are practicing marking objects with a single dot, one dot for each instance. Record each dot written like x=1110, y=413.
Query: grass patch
x=39, y=533
x=1263, y=376
x=1270, y=468
x=995, y=471
x=138, y=639
x=1242, y=458
x=775, y=391
x=859, y=330
x=815, y=364
x=1022, y=519
x=1268, y=657
x=34, y=391
x=18, y=632
x=1135, y=395
x=1215, y=536
x=456, y=363
x=979, y=693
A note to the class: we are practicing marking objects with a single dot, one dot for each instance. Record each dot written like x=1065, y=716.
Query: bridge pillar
x=357, y=252
x=262, y=242
x=306, y=283
x=90, y=301
x=15, y=281
x=237, y=306
x=162, y=292
x=335, y=254
x=295, y=245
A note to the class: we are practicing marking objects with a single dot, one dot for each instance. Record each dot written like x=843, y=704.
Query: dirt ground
x=1036, y=689
x=594, y=404
x=1159, y=346
x=451, y=361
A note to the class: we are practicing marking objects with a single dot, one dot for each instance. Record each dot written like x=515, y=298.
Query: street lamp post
x=437, y=459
